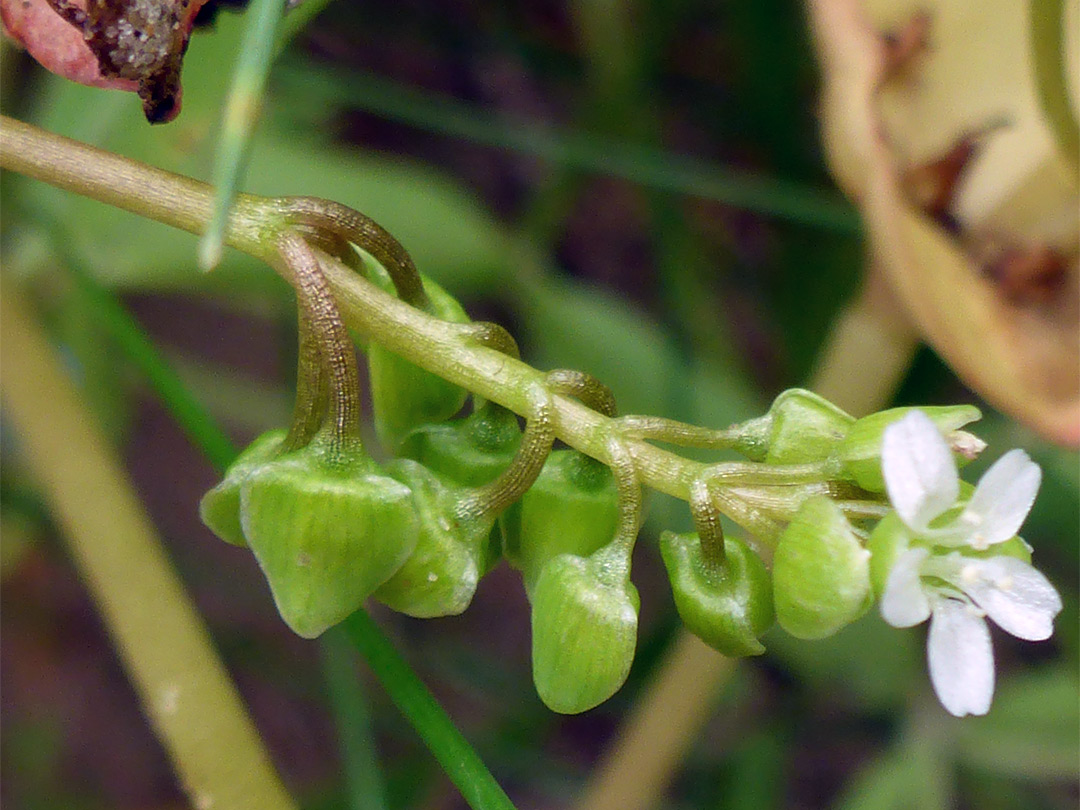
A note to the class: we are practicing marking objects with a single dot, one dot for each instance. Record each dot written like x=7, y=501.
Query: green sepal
x=821, y=572
x=469, y=452
x=804, y=428
x=727, y=605
x=440, y=576
x=403, y=395
x=860, y=451
x=584, y=629
x=889, y=539
x=326, y=536
x=220, y=507
x=573, y=508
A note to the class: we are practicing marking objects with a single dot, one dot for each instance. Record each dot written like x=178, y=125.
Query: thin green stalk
x=133, y=343
x=440, y=347
x=241, y=114
x=453, y=752
x=782, y=199
x=363, y=779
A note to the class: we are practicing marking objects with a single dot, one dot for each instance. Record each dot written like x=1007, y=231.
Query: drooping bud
x=440, y=576
x=584, y=629
x=804, y=428
x=821, y=572
x=572, y=508
x=403, y=394
x=470, y=451
x=727, y=604
x=220, y=507
x=860, y=451
x=326, y=536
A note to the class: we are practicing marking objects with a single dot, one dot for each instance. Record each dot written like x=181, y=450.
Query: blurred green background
x=635, y=190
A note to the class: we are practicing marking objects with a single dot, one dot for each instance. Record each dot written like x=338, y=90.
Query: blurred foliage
x=687, y=305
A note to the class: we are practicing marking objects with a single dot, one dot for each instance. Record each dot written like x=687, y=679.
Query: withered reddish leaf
x=135, y=45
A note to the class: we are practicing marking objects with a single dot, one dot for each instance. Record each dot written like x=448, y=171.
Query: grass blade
x=458, y=759
x=363, y=779
x=241, y=114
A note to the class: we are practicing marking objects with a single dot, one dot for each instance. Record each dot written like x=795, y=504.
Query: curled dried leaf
x=932, y=124
x=134, y=45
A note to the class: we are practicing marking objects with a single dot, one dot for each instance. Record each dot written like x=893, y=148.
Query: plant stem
x=363, y=779
x=453, y=752
x=160, y=638
x=256, y=226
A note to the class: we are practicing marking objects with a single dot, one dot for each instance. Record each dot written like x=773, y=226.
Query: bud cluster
x=838, y=511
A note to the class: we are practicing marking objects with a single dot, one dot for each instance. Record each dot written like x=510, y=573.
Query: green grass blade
x=363, y=779
x=457, y=758
x=189, y=413
x=795, y=202
x=240, y=116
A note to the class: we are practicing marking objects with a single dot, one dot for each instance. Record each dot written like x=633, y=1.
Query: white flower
x=957, y=592
x=922, y=482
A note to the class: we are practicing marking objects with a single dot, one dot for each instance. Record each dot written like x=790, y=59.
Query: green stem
x=453, y=752
x=318, y=307
x=363, y=780
x=707, y=524
x=366, y=234
x=258, y=228
x=311, y=388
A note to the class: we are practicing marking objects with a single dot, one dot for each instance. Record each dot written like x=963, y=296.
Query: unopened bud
x=821, y=573
x=804, y=428
x=584, y=631
x=727, y=604
x=220, y=507
x=860, y=451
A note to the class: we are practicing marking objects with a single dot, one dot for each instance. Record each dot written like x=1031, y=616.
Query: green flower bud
x=325, y=537
x=821, y=572
x=804, y=428
x=889, y=539
x=440, y=576
x=469, y=452
x=860, y=451
x=727, y=605
x=573, y=508
x=404, y=395
x=584, y=629
x=220, y=507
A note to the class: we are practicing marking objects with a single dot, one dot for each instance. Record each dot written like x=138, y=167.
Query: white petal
x=920, y=475
x=1019, y=599
x=904, y=602
x=960, y=657
x=1002, y=499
